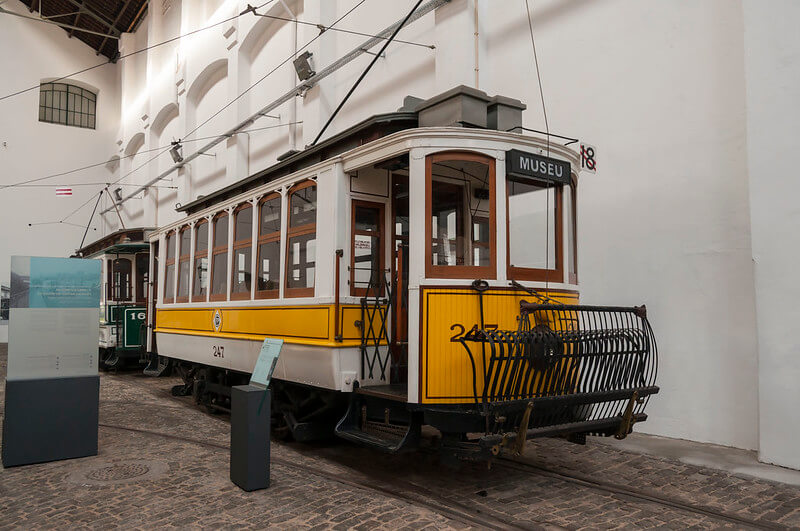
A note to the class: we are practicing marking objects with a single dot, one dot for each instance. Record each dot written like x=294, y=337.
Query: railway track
x=419, y=497
x=635, y=495
x=416, y=494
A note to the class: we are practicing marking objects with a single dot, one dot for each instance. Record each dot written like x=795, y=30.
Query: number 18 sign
x=588, y=158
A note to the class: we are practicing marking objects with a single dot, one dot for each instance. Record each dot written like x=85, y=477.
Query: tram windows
x=460, y=200
x=200, y=283
x=242, y=249
x=185, y=243
x=367, y=247
x=121, y=277
x=571, y=233
x=269, y=247
x=301, y=240
x=534, y=232
x=219, y=259
x=142, y=273
x=481, y=252
x=169, y=269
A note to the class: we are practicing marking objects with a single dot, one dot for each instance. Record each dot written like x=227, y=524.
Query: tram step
x=387, y=438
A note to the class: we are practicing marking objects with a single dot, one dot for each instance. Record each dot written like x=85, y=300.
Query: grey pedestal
x=250, y=432
x=50, y=419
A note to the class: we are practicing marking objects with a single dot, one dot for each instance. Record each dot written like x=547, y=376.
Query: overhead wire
x=547, y=140
x=125, y=56
x=25, y=184
x=265, y=76
x=322, y=28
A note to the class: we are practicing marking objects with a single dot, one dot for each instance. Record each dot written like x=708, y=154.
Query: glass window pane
x=183, y=279
x=460, y=212
x=200, y=276
x=48, y=114
x=185, y=242
x=269, y=266
x=241, y=270
x=48, y=99
x=366, y=259
x=91, y=107
x=219, y=277
x=62, y=118
x=91, y=122
x=366, y=218
x=171, y=246
x=569, y=233
x=85, y=105
x=302, y=251
x=41, y=98
x=243, y=230
x=270, y=216
x=531, y=226
x=304, y=206
x=84, y=121
x=169, y=282
x=201, y=238
x=41, y=113
x=221, y=231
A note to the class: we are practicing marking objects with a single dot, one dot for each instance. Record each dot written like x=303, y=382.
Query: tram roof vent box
x=461, y=106
x=504, y=114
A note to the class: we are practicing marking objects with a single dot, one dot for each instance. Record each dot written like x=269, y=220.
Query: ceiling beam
x=116, y=19
x=101, y=19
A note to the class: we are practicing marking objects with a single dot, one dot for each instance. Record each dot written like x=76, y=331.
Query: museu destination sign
x=527, y=166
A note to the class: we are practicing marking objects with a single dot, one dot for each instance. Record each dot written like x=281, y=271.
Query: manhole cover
x=101, y=474
x=117, y=472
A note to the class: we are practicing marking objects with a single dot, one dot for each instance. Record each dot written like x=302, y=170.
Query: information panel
x=265, y=364
x=54, y=324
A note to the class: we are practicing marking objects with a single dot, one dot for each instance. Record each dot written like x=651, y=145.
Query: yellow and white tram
x=418, y=276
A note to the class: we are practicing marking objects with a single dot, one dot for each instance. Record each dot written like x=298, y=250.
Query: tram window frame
x=215, y=250
x=129, y=291
x=296, y=232
x=238, y=244
x=267, y=238
x=169, y=262
x=572, y=220
x=183, y=259
x=488, y=272
x=531, y=273
x=196, y=279
x=381, y=207
x=141, y=276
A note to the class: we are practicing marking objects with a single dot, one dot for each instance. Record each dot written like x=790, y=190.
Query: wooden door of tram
x=399, y=272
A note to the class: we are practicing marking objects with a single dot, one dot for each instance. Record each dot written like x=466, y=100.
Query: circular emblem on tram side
x=217, y=320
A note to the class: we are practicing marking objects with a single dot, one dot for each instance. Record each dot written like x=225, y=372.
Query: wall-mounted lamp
x=117, y=194
x=175, y=152
x=303, y=67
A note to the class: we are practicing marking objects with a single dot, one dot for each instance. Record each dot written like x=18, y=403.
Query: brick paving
x=179, y=461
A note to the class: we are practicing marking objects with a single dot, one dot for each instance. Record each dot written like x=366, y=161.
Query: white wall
x=772, y=63
x=29, y=149
x=658, y=87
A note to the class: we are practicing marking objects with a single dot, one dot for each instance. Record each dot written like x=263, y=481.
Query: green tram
x=125, y=257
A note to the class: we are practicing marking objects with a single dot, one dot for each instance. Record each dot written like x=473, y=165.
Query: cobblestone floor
x=164, y=463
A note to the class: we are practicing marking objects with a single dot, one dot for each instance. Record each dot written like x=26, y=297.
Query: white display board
x=54, y=323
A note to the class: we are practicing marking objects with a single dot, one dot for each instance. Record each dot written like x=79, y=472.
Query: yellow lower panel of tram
x=445, y=368
x=312, y=324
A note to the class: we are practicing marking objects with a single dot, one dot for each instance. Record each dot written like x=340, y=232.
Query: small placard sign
x=527, y=166
x=265, y=364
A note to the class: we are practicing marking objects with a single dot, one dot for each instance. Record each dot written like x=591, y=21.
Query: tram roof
x=372, y=128
x=121, y=241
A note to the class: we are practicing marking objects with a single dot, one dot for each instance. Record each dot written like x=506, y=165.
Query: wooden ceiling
x=98, y=23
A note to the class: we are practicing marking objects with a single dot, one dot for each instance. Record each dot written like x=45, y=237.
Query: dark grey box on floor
x=50, y=419
x=250, y=431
